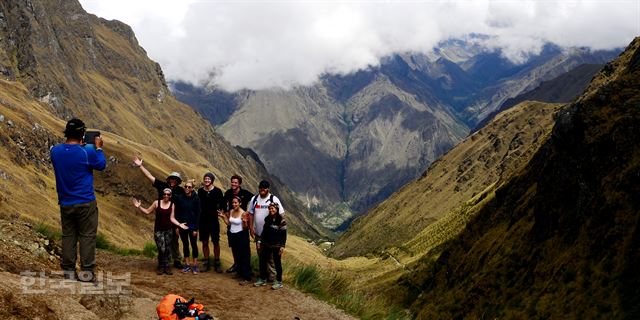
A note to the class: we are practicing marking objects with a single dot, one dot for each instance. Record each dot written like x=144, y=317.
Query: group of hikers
x=188, y=215
x=181, y=213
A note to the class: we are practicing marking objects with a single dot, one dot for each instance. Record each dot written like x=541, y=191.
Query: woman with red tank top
x=163, y=228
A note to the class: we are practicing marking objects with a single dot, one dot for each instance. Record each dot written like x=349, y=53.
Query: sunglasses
x=189, y=187
x=168, y=194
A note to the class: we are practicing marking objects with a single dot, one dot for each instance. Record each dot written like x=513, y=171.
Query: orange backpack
x=166, y=307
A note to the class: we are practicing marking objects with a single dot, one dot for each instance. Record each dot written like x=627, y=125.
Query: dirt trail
x=22, y=249
x=221, y=294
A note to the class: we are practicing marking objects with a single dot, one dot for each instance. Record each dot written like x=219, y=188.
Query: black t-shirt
x=210, y=202
x=161, y=185
x=245, y=197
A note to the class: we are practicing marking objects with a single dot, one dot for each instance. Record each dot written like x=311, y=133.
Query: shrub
x=335, y=289
x=307, y=279
x=150, y=250
x=48, y=232
x=103, y=243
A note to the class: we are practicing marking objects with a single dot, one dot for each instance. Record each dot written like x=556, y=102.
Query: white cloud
x=281, y=43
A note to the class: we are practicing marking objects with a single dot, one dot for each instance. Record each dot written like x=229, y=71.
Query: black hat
x=264, y=184
x=75, y=128
x=210, y=175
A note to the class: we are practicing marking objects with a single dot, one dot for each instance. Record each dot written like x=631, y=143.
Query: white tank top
x=236, y=224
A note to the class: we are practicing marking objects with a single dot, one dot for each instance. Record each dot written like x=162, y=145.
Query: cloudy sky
x=283, y=43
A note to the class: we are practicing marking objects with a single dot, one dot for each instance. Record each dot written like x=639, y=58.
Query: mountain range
x=535, y=215
x=350, y=141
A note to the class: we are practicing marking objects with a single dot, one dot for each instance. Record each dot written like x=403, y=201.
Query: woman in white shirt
x=238, y=220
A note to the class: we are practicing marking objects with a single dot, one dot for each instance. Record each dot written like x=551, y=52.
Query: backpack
x=175, y=307
x=255, y=200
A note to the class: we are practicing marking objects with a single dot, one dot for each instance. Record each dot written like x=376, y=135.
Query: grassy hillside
x=472, y=169
x=559, y=240
x=59, y=62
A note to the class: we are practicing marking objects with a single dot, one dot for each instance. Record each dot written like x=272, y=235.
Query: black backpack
x=255, y=200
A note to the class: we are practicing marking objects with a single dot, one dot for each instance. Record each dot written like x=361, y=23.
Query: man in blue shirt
x=74, y=162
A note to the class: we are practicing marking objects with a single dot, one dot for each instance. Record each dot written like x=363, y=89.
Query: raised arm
x=137, y=203
x=137, y=162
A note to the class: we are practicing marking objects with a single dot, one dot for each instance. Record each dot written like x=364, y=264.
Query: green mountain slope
x=560, y=240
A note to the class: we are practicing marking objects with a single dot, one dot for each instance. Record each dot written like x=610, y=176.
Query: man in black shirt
x=173, y=182
x=244, y=195
x=211, y=200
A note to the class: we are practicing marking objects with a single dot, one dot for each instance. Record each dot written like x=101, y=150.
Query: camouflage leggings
x=163, y=243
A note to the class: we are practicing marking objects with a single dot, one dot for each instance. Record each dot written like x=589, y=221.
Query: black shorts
x=210, y=229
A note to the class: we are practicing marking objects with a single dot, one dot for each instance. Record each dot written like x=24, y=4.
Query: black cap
x=264, y=184
x=75, y=128
x=210, y=175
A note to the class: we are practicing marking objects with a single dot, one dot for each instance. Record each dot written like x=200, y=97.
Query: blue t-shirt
x=74, y=165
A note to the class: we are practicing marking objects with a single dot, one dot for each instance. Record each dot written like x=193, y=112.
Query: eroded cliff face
x=562, y=238
x=350, y=141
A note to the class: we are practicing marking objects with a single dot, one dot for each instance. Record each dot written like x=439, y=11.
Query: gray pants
x=163, y=242
x=271, y=266
x=79, y=223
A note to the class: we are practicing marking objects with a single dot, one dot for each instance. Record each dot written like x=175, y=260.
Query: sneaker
x=194, y=269
x=244, y=282
x=232, y=269
x=259, y=283
x=167, y=270
x=277, y=285
x=186, y=268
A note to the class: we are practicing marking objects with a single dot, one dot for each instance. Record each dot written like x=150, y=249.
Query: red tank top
x=163, y=218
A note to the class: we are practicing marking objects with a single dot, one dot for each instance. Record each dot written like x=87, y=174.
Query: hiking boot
x=232, y=269
x=186, y=268
x=177, y=264
x=277, y=285
x=159, y=271
x=217, y=265
x=207, y=266
x=194, y=269
x=259, y=283
x=167, y=270
x=244, y=282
